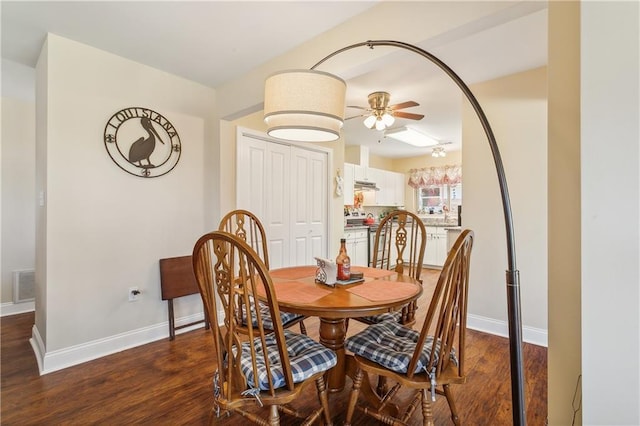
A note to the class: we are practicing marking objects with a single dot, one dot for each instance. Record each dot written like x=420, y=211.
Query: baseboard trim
x=11, y=308
x=38, y=347
x=535, y=336
x=49, y=362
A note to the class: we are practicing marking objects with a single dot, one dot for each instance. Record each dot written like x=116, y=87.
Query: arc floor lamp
x=308, y=106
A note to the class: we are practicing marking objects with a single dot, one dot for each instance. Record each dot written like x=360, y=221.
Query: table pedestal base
x=332, y=335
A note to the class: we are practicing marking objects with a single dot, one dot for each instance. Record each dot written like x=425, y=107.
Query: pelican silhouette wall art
x=144, y=147
x=135, y=157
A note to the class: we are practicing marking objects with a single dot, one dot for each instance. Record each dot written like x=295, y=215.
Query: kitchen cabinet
x=375, y=175
x=358, y=246
x=385, y=196
x=347, y=184
x=394, y=186
x=391, y=189
x=391, y=186
x=364, y=173
x=370, y=198
x=367, y=174
x=436, y=252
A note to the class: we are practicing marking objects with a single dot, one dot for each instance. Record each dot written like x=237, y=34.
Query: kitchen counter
x=440, y=222
x=447, y=226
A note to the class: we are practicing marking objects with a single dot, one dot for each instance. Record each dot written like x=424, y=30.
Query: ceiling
x=513, y=41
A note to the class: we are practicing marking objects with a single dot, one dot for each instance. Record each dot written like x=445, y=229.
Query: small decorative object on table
x=357, y=276
x=343, y=261
x=327, y=271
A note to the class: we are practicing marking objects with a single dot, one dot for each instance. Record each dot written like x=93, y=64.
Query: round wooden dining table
x=380, y=291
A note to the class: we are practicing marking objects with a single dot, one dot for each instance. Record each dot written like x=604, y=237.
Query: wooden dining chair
x=246, y=225
x=256, y=366
x=427, y=361
x=401, y=239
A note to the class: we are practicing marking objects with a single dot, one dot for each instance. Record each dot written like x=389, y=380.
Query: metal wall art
x=142, y=142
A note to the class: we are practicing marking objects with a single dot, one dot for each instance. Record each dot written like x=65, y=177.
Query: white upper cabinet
x=360, y=172
x=365, y=174
x=394, y=189
x=390, y=185
x=398, y=180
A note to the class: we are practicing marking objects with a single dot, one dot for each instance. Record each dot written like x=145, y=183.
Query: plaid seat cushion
x=391, y=345
x=267, y=321
x=306, y=356
x=387, y=316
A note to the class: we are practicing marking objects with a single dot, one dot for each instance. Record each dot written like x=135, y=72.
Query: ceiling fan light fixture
x=388, y=119
x=411, y=136
x=304, y=105
x=370, y=121
x=438, y=152
x=379, y=121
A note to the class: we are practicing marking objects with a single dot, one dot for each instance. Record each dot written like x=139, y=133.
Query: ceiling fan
x=381, y=115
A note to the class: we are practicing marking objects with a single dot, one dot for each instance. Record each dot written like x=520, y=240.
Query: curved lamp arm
x=512, y=273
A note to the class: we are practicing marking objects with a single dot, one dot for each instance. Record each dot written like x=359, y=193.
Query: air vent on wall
x=24, y=286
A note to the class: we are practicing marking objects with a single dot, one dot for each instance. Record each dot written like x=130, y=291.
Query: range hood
x=365, y=186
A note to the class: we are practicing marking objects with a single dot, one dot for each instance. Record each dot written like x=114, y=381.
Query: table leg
x=332, y=335
x=172, y=321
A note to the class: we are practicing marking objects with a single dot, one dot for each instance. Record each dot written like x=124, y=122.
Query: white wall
x=610, y=135
x=516, y=107
x=18, y=191
x=18, y=81
x=17, y=156
x=103, y=229
x=564, y=256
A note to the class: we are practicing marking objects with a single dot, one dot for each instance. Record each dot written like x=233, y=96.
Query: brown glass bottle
x=343, y=262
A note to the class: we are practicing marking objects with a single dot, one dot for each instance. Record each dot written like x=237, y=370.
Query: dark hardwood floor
x=169, y=383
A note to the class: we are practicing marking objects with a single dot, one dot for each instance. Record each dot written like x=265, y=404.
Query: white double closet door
x=286, y=187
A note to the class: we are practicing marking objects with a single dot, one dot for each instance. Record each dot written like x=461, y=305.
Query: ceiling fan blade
x=402, y=105
x=408, y=115
x=356, y=106
x=355, y=116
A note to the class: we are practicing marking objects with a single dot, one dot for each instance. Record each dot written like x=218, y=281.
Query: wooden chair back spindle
x=432, y=359
x=230, y=274
x=246, y=226
x=400, y=243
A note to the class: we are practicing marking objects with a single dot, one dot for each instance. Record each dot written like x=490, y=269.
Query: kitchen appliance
x=357, y=221
x=362, y=185
x=369, y=220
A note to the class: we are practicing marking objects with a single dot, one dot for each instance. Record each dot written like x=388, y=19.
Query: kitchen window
x=437, y=188
x=435, y=198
